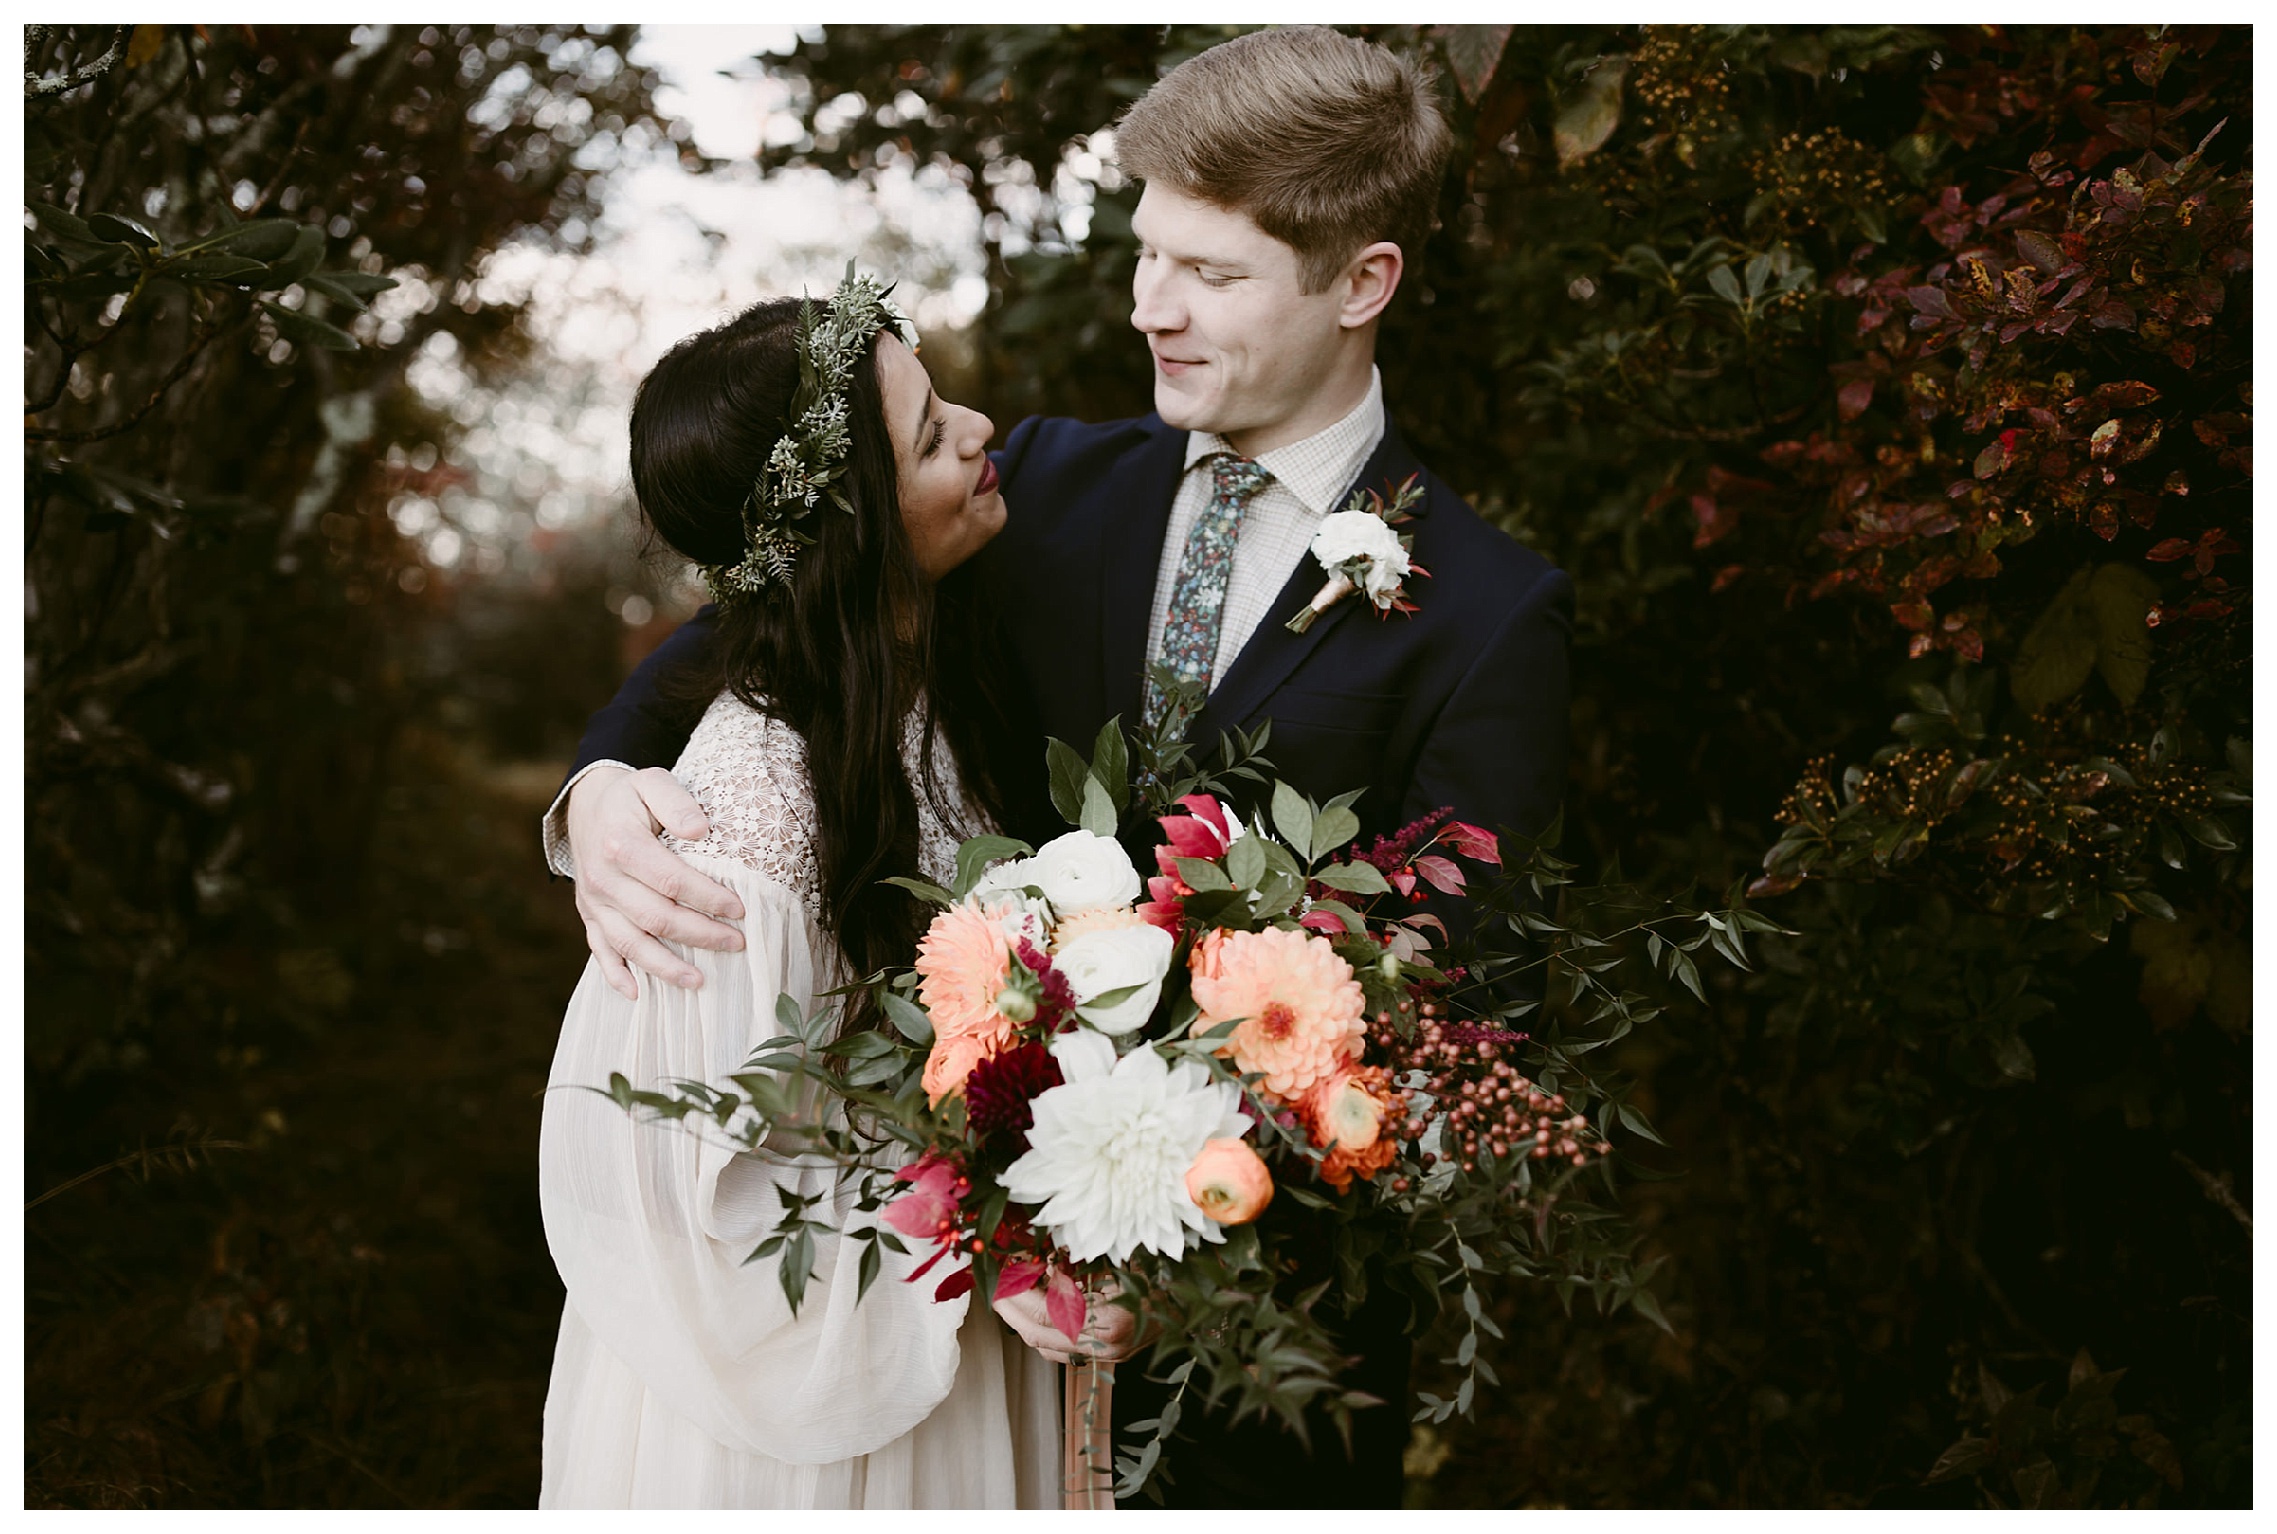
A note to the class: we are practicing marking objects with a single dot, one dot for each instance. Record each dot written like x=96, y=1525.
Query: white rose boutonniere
x=1360, y=552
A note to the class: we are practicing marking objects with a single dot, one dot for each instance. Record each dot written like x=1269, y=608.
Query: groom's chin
x=1177, y=408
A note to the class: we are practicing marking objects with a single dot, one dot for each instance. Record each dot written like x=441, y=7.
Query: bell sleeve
x=650, y=1225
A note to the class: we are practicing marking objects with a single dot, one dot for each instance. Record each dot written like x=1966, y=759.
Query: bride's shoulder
x=748, y=770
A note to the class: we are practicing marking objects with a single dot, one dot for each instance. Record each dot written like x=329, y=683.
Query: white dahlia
x=1109, y=1151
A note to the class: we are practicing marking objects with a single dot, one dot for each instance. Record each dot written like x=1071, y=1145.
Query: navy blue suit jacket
x=1462, y=703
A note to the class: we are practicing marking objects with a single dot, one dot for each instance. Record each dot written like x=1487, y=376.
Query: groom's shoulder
x=1054, y=447
x=1467, y=554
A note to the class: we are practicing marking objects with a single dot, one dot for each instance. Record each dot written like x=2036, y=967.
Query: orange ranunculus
x=1299, y=1005
x=1348, y=1116
x=951, y=1061
x=1230, y=1182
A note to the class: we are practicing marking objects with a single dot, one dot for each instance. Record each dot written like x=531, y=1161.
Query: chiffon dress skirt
x=681, y=1378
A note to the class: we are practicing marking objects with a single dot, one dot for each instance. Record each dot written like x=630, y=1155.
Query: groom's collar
x=1318, y=469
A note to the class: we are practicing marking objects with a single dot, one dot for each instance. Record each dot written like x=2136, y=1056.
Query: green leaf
x=977, y=852
x=1726, y=284
x=1648, y=1306
x=303, y=257
x=2119, y=598
x=220, y=267
x=1293, y=817
x=114, y=230
x=1642, y=1125
x=1588, y=117
x=1068, y=772
x=305, y=330
x=1354, y=878
x=331, y=287
x=1202, y=875
x=264, y=239
x=1111, y=764
x=2211, y=832
x=1245, y=862
x=1099, y=816
x=908, y=1017
x=1107, y=1001
x=872, y=1261
x=923, y=889
x=1335, y=826
x=70, y=227
x=2059, y=651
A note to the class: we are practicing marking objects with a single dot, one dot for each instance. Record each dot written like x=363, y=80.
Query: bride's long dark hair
x=856, y=642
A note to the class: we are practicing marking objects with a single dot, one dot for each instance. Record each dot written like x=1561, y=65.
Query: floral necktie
x=1197, y=602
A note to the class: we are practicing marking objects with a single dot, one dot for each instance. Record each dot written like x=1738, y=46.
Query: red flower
x=1001, y=1091
x=929, y=1209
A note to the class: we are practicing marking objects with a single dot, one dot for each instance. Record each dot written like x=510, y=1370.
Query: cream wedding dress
x=681, y=1379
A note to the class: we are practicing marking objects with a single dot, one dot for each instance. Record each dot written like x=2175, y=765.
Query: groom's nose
x=1153, y=307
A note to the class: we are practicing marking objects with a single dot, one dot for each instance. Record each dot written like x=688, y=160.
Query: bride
x=853, y=733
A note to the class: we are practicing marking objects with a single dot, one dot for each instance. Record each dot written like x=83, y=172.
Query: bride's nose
x=979, y=431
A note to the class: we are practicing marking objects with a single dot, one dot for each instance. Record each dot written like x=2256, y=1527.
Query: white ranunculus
x=1095, y=963
x=1348, y=536
x=1108, y=1153
x=1082, y=872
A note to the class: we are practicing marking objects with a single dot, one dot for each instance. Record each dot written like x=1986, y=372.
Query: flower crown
x=808, y=459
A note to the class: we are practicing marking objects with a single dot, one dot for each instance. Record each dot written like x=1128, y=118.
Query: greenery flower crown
x=808, y=459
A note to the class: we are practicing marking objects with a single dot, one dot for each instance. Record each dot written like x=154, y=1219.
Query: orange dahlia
x=962, y=963
x=1348, y=1114
x=1299, y=1005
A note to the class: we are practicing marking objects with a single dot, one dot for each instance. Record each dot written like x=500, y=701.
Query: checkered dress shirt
x=1278, y=527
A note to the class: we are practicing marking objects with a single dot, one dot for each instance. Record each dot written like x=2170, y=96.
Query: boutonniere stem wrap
x=1359, y=550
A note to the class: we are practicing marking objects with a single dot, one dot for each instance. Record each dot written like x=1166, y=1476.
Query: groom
x=1287, y=175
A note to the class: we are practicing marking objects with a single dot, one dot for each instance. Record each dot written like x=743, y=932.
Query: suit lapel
x=1133, y=553
x=1273, y=652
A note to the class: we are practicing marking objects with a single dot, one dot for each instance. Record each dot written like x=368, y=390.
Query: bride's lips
x=987, y=480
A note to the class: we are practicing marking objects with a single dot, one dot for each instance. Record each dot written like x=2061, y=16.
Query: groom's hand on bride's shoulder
x=631, y=891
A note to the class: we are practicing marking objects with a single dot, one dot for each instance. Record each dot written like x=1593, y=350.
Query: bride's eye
x=940, y=430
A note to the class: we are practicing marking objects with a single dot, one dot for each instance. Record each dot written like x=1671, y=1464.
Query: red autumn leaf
x=1472, y=841
x=2168, y=550
x=1715, y=521
x=1444, y=875
x=1726, y=576
x=1914, y=615
x=959, y=1282
x=1063, y=1302
x=1018, y=1278
x=1851, y=400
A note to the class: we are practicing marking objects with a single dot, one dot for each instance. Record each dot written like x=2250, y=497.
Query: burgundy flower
x=1000, y=1092
x=1056, y=1002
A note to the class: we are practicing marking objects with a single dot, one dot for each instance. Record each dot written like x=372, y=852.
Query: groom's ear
x=1369, y=281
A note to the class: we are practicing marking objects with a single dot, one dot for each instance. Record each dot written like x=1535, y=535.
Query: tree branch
x=37, y=87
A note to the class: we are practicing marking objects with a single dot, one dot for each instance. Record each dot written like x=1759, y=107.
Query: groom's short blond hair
x=1327, y=142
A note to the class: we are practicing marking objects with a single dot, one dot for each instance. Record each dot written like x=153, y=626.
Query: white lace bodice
x=748, y=770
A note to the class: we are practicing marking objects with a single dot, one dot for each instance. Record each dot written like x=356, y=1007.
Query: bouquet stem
x=1087, y=1430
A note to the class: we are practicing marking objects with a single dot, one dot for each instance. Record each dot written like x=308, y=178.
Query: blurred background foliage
x=1886, y=390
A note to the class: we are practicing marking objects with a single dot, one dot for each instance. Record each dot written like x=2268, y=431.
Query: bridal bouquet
x=1097, y=1080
